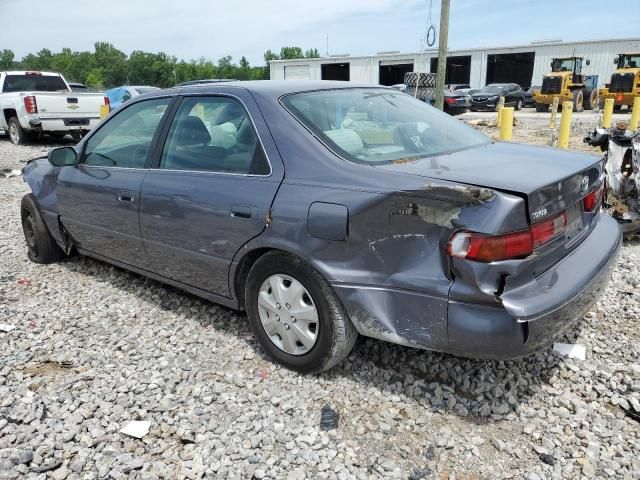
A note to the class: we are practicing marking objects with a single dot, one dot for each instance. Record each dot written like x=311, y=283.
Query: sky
x=191, y=29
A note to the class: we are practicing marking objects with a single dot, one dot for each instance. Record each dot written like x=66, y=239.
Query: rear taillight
x=450, y=100
x=492, y=248
x=107, y=102
x=592, y=200
x=30, y=104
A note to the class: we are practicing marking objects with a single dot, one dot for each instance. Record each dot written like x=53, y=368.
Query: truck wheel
x=578, y=98
x=542, y=107
x=295, y=314
x=518, y=104
x=17, y=135
x=42, y=248
x=590, y=99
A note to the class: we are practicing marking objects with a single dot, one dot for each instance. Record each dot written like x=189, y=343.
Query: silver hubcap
x=13, y=133
x=288, y=314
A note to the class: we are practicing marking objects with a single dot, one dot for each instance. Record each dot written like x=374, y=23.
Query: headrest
x=192, y=131
x=347, y=139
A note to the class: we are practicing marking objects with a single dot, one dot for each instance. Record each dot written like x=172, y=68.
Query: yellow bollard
x=500, y=107
x=607, y=113
x=565, y=125
x=554, y=112
x=506, y=127
x=635, y=115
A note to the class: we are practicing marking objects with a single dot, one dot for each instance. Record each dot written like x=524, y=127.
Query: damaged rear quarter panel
x=391, y=272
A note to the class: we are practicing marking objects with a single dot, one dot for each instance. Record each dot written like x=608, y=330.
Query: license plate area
x=575, y=225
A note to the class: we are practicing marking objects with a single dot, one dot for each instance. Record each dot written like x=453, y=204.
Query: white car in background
x=36, y=103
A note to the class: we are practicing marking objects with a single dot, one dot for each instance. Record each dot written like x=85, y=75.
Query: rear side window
x=34, y=83
x=124, y=141
x=213, y=134
x=380, y=125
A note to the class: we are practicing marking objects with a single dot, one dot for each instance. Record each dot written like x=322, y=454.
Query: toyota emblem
x=584, y=186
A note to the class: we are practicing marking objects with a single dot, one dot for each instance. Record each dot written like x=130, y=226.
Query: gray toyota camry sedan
x=329, y=209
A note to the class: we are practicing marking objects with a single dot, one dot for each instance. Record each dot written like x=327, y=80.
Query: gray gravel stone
x=140, y=350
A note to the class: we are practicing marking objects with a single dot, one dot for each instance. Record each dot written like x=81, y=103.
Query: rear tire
x=42, y=248
x=578, y=101
x=518, y=104
x=590, y=99
x=17, y=135
x=542, y=107
x=333, y=335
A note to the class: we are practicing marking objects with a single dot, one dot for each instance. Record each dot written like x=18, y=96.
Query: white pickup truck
x=36, y=103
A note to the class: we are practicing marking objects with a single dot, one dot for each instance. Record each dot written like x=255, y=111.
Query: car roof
x=270, y=89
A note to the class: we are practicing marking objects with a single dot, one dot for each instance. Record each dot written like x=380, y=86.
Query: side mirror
x=587, y=62
x=615, y=61
x=63, y=156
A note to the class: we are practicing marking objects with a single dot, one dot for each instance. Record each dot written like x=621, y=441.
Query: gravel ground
x=96, y=347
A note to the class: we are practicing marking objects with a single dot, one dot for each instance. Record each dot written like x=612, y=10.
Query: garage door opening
x=393, y=74
x=296, y=72
x=335, y=71
x=511, y=68
x=458, y=69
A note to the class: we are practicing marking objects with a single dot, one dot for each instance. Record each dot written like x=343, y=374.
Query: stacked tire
x=421, y=80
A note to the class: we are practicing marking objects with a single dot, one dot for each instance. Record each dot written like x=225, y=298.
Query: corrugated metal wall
x=366, y=69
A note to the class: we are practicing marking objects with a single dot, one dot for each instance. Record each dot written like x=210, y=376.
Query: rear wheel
x=518, y=104
x=590, y=99
x=578, y=98
x=41, y=246
x=17, y=135
x=542, y=107
x=295, y=314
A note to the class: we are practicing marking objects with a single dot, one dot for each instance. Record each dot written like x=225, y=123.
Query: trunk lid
x=549, y=180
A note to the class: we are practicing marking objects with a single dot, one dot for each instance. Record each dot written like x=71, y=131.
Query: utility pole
x=442, y=53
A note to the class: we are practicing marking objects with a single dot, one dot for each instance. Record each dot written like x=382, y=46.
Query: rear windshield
x=380, y=126
x=492, y=89
x=142, y=90
x=34, y=83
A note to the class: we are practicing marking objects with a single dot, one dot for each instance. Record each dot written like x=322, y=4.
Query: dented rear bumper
x=530, y=317
x=535, y=314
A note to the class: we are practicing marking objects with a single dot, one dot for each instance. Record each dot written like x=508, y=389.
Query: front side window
x=379, y=125
x=125, y=140
x=213, y=134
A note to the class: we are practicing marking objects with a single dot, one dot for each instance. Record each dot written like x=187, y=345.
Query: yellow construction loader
x=625, y=81
x=567, y=82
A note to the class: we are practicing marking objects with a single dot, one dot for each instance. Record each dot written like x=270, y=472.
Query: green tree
x=291, y=52
x=312, y=53
x=95, y=78
x=6, y=59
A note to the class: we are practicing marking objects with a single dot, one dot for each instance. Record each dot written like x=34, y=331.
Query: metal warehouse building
x=522, y=64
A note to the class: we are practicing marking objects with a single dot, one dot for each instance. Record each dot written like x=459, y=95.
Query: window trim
x=155, y=138
x=155, y=164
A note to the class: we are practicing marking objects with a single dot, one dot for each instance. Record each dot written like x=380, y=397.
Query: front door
x=98, y=200
x=211, y=190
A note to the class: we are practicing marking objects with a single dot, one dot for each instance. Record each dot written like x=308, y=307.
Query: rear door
x=98, y=200
x=211, y=189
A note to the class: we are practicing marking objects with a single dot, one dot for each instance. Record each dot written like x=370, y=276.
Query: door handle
x=126, y=196
x=241, y=211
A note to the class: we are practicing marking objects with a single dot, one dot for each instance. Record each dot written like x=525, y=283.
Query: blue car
x=328, y=210
x=118, y=96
